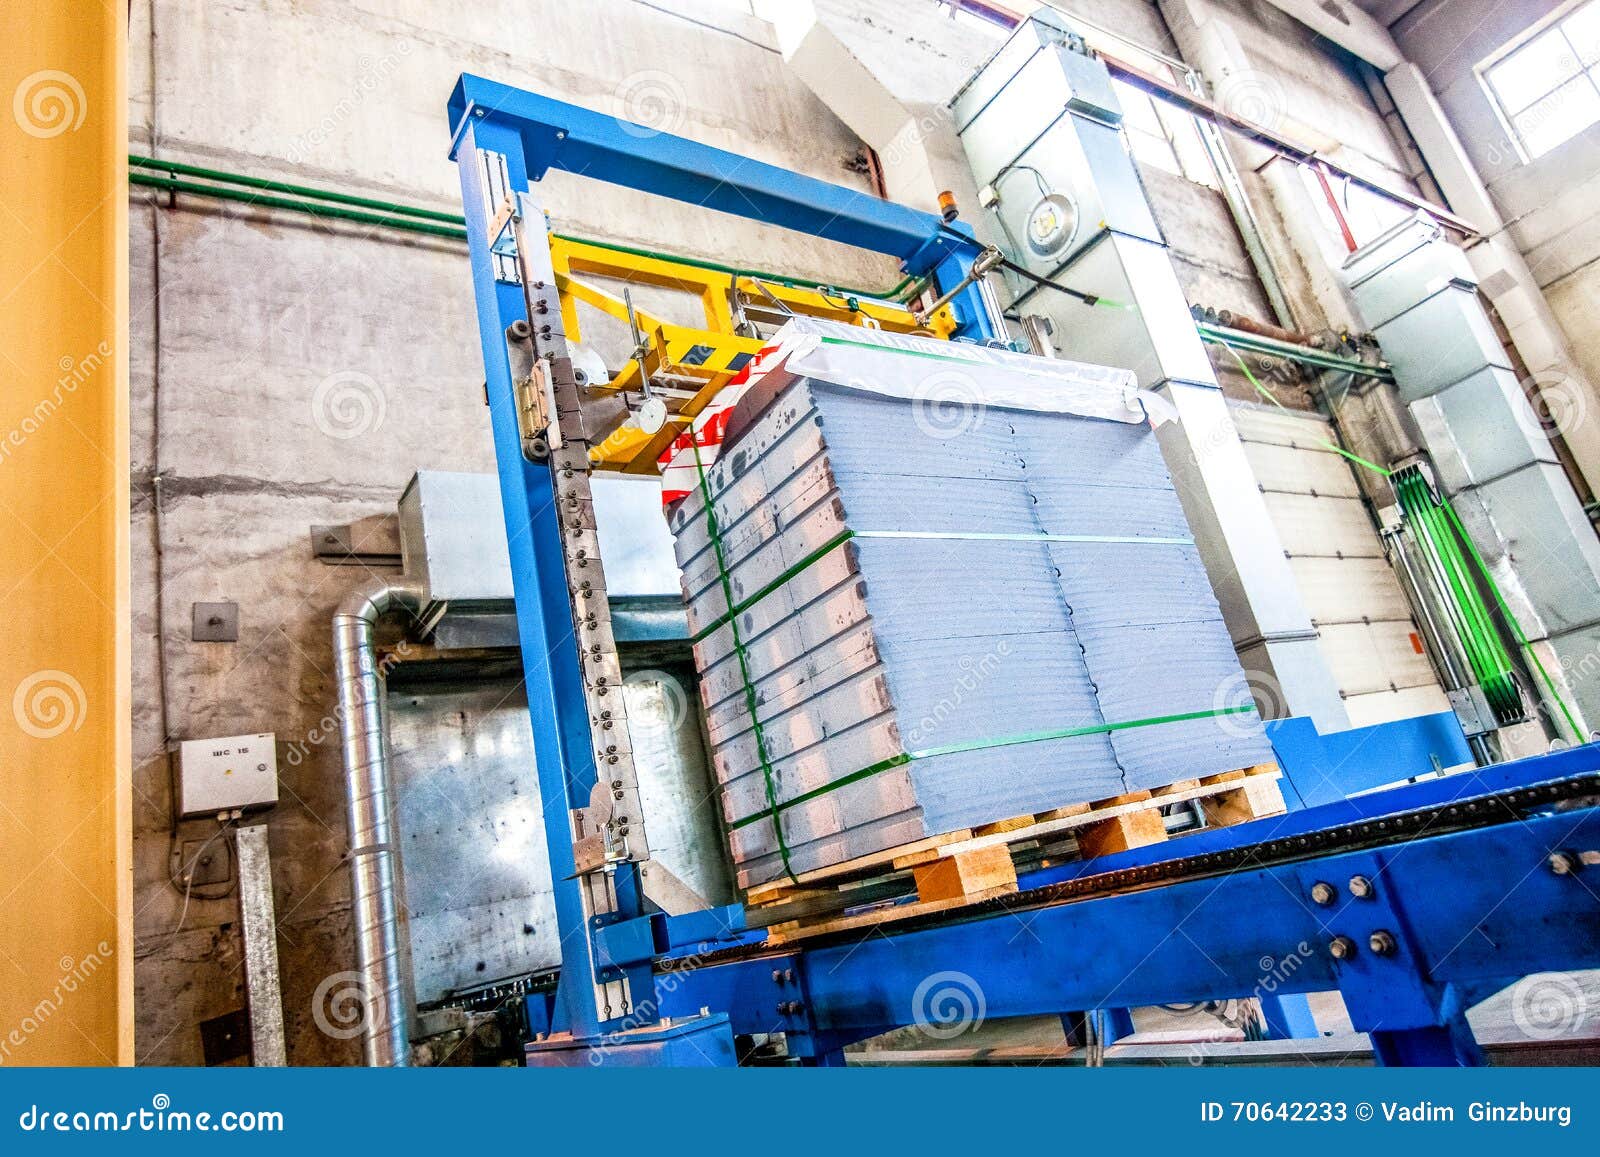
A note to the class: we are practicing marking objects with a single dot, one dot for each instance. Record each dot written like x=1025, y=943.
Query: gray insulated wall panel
x=938, y=631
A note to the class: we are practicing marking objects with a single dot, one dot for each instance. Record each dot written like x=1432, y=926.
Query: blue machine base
x=697, y=1042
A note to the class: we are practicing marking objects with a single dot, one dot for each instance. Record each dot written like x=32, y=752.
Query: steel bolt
x=1563, y=863
x=1362, y=888
x=1323, y=892
x=777, y=976
x=1382, y=943
x=1341, y=948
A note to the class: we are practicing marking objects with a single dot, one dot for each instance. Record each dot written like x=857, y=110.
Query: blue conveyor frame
x=1465, y=912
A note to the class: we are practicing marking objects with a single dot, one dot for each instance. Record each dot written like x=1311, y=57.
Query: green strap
x=1439, y=532
x=900, y=760
x=738, y=649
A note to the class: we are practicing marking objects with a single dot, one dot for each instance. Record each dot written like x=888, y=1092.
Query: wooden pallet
x=963, y=867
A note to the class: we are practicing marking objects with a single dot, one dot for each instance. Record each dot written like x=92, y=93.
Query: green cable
x=1516, y=628
x=1324, y=443
x=1441, y=533
x=738, y=649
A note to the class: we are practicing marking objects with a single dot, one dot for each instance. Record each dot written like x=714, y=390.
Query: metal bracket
x=215, y=623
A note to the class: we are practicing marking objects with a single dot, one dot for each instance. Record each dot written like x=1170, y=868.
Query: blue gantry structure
x=1414, y=902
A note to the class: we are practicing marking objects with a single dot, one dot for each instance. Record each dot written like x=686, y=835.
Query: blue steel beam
x=1464, y=908
x=557, y=135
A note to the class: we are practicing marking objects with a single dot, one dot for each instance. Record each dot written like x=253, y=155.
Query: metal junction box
x=234, y=772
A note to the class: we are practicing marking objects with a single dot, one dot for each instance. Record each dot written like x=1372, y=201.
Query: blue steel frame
x=531, y=135
x=1467, y=912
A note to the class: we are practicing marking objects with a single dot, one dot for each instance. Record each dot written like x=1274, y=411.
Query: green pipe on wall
x=317, y=202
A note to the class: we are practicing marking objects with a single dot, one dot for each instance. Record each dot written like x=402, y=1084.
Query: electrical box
x=238, y=771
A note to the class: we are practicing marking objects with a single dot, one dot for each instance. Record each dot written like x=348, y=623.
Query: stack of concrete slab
x=914, y=615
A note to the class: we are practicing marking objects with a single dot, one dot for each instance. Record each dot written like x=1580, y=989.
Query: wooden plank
x=1136, y=829
x=789, y=933
x=1258, y=796
x=966, y=874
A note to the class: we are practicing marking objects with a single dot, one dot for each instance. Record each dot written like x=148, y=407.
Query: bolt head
x=1362, y=888
x=1562, y=863
x=1323, y=893
x=1341, y=948
x=1382, y=943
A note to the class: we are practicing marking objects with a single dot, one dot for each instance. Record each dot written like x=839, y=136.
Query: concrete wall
x=1551, y=204
x=287, y=374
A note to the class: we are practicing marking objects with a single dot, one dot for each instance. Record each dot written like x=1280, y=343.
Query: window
x=1547, y=87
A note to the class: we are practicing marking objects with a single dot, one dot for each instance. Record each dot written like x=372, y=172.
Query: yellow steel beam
x=66, y=858
x=707, y=357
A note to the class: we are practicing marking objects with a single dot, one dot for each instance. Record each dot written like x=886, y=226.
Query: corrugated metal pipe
x=375, y=902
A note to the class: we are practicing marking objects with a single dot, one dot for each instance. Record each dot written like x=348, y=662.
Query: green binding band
x=845, y=536
x=774, y=809
x=738, y=648
x=1439, y=533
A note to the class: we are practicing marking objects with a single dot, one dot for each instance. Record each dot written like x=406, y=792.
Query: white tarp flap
x=947, y=373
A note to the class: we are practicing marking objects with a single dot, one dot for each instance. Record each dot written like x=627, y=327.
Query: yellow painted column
x=66, y=946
